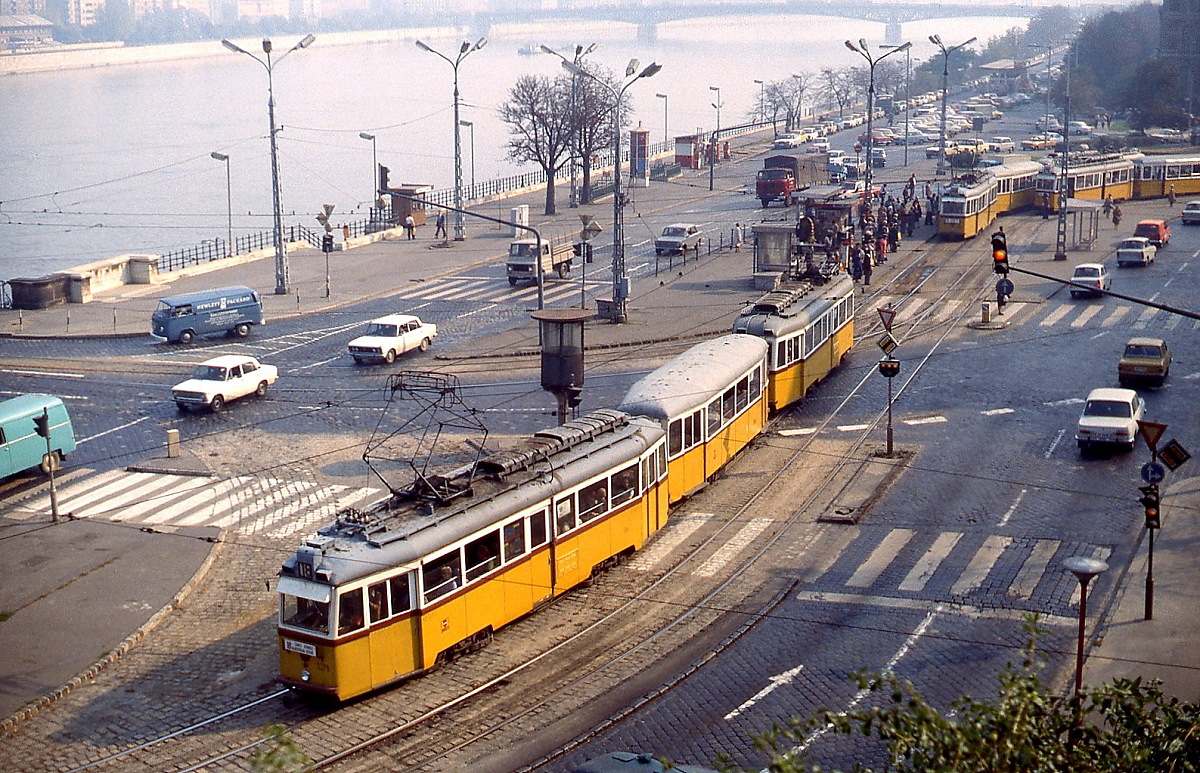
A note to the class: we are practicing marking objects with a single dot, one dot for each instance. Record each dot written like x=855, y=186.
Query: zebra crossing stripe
x=1117, y=315
x=1054, y=316
x=193, y=501
x=1144, y=318
x=288, y=510
x=1087, y=314
x=322, y=515
x=737, y=544
x=1033, y=569
x=881, y=557
x=910, y=309
x=925, y=605
x=981, y=564
x=924, y=569
x=669, y=538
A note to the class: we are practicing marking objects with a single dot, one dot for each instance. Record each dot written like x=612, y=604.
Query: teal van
x=231, y=310
x=21, y=447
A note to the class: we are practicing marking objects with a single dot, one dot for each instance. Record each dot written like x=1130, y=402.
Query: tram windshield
x=305, y=613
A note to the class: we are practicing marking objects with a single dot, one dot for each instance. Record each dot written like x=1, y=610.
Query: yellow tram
x=968, y=205
x=711, y=400
x=1089, y=176
x=809, y=329
x=1155, y=175
x=1016, y=185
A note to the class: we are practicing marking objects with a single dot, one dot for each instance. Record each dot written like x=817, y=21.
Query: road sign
x=887, y=315
x=1153, y=473
x=1173, y=454
x=1004, y=286
x=887, y=343
x=1151, y=432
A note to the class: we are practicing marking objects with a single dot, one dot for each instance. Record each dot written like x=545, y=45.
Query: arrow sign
x=1151, y=431
x=1153, y=473
x=776, y=681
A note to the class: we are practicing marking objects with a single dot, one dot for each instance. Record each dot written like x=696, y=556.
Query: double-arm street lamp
x=762, y=100
x=907, y=94
x=620, y=284
x=463, y=51
x=946, y=52
x=862, y=49
x=281, y=266
x=580, y=53
x=715, y=151
x=228, y=202
x=374, y=165
x=666, y=132
x=471, y=126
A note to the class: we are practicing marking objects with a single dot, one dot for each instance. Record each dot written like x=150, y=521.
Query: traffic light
x=574, y=396
x=1000, y=253
x=41, y=425
x=1149, y=500
x=327, y=243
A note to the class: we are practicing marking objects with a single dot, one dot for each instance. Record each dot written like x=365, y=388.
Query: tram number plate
x=951, y=220
x=304, y=648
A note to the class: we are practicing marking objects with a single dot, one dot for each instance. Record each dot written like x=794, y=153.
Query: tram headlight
x=305, y=676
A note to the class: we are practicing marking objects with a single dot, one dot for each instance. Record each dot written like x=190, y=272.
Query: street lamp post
x=712, y=161
x=1084, y=569
x=618, y=312
x=666, y=133
x=228, y=203
x=863, y=50
x=471, y=126
x=946, y=52
x=463, y=51
x=580, y=53
x=907, y=95
x=281, y=265
x=374, y=164
x=762, y=100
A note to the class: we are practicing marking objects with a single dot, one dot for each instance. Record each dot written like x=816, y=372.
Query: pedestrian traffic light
x=1000, y=253
x=1149, y=500
x=41, y=425
x=327, y=243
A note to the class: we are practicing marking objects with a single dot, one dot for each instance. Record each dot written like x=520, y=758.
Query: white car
x=1001, y=145
x=678, y=237
x=1094, y=275
x=819, y=145
x=217, y=381
x=1110, y=417
x=1135, y=251
x=784, y=141
x=1191, y=213
x=389, y=337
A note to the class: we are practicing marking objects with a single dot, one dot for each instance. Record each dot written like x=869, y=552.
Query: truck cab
x=557, y=254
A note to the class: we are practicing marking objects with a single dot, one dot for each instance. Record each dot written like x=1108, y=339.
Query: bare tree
x=592, y=128
x=786, y=98
x=538, y=116
x=837, y=87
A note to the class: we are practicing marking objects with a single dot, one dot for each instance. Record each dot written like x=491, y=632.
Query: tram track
x=742, y=487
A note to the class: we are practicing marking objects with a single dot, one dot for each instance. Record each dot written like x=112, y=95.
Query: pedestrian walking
x=735, y=237
x=410, y=227
x=1108, y=205
x=441, y=226
x=866, y=264
x=1045, y=206
x=856, y=264
x=1171, y=196
x=1117, y=216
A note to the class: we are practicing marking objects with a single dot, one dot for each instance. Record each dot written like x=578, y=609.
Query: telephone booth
x=639, y=158
x=689, y=151
x=409, y=199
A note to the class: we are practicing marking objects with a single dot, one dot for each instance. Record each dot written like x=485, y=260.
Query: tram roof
x=694, y=377
x=409, y=527
x=792, y=307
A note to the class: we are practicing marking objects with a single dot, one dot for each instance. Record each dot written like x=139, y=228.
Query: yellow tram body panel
x=1154, y=176
x=723, y=446
x=968, y=205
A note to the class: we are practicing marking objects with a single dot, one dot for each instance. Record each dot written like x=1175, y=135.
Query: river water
x=102, y=162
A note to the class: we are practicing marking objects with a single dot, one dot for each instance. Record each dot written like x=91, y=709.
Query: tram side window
x=728, y=408
x=305, y=613
x=794, y=348
x=743, y=393
x=691, y=430
x=377, y=602
x=780, y=354
x=442, y=575
x=755, y=383
x=675, y=436
x=537, y=529
x=661, y=455
x=483, y=555
x=350, y=611
x=564, y=515
x=401, y=595
x=714, y=417
x=514, y=540
x=593, y=500
x=624, y=484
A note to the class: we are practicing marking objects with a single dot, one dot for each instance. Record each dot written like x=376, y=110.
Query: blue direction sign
x=1004, y=286
x=1153, y=472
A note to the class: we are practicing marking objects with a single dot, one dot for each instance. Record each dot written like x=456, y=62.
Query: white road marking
x=1034, y=568
x=669, y=537
x=1116, y=316
x=809, y=430
x=924, y=569
x=1054, y=444
x=981, y=564
x=881, y=557
x=852, y=427
x=1013, y=508
x=745, y=535
x=926, y=420
x=42, y=373
x=779, y=680
x=109, y=431
x=998, y=412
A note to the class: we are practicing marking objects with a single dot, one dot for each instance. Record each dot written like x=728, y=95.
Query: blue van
x=21, y=447
x=231, y=310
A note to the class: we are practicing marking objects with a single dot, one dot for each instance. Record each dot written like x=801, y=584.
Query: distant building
x=1179, y=44
x=22, y=7
x=20, y=32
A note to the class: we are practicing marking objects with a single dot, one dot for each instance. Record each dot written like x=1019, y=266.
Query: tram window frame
x=780, y=355
x=625, y=485
x=351, y=613
x=593, y=500
x=538, y=533
x=662, y=455
x=483, y=554
x=434, y=586
x=401, y=592
x=728, y=405
x=742, y=392
x=301, y=612
x=756, y=383
x=514, y=540
x=564, y=515
x=691, y=430
x=675, y=436
x=713, y=411
x=377, y=602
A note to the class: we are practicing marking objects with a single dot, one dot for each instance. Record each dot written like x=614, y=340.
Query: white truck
x=558, y=250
